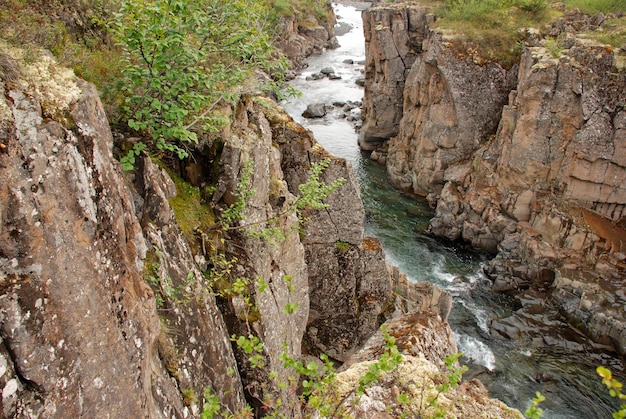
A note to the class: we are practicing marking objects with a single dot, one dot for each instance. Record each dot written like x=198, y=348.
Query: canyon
x=525, y=161
x=118, y=293
x=122, y=294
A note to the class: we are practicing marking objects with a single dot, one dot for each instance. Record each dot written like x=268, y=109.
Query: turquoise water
x=509, y=369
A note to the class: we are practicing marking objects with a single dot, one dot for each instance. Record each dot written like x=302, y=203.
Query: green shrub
x=183, y=59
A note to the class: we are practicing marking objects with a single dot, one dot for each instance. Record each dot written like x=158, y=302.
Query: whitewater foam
x=476, y=351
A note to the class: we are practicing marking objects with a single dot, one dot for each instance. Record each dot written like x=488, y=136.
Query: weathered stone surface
x=451, y=106
x=553, y=177
x=393, y=39
x=277, y=269
x=304, y=37
x=423, y=341
x=193, y=334
x=79, y=324
x=547, y=190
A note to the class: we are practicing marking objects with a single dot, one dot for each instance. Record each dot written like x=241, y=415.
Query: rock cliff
x=117, y=291
x=526, y=162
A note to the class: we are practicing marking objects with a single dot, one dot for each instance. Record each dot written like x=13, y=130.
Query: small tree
x=184, y=57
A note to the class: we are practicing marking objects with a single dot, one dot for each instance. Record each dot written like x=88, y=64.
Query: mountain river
x=512, y=370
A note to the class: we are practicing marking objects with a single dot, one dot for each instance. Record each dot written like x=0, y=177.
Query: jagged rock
x=451, y=106
x=393, y=39
x=299, y=40
x=547, y=190
x=416, y=376
x=280, y=264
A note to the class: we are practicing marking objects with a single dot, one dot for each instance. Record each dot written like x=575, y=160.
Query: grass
x=494, y=26
x=613, y=33
x=596, y=6
x=74, y=31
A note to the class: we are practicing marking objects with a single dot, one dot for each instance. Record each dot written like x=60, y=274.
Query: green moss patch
x=193, y=214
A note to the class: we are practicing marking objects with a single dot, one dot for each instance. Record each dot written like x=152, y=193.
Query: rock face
x=426, y=95
x=108, y=302
x=528, y=163
x=81, y=335
x=416, y=377
x=393, y=40
x=302, y=38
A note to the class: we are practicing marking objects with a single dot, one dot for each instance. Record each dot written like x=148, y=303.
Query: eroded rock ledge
x=527, y=162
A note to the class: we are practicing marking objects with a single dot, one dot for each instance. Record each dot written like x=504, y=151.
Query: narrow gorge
x=523, y=159
x=225, y=283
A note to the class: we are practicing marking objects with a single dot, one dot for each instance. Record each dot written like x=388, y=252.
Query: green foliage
x=447, y=383
x=128, y=161
x=253, y=347
x=615, y=390
x=74, y=31
x=388, y=361
x=236, y=211
x=596, y=6
x=211, y=406
x=312, y=195
x=192, y=213
x=554, y=46
x=613, y=32
x=342, y=246
x=314, y=191
x=534, y=411
x=183, y=58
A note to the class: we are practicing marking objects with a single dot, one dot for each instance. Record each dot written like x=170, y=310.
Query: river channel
x=511, y=370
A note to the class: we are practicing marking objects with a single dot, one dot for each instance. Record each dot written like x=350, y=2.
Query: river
x=512, y=371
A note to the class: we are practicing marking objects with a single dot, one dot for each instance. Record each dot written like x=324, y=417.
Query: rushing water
x=511, y=370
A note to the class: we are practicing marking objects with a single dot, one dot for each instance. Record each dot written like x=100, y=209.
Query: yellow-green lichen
x=42, y=78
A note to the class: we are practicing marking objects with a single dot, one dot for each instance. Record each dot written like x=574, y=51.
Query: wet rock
x=315, y=76
x=315, y=110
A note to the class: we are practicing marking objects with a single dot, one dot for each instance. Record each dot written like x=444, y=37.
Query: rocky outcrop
x=302, y=37
x=548, y=192
x=416, y=378
x=81, y=335
x=349, y=279
x=393, y=39
x=527, y=163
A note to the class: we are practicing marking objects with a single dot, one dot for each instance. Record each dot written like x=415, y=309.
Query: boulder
x=315, y=110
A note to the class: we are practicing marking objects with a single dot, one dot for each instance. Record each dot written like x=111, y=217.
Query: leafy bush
x=183, y=58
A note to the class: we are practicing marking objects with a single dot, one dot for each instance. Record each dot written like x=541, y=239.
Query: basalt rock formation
x=527, y=162
x=110, y=305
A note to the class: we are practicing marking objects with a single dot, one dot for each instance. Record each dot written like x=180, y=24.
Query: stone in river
x=315, y=110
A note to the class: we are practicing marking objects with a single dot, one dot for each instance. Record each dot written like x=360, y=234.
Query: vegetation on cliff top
x=496, y=27
x=162, y=67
